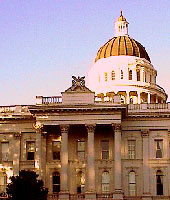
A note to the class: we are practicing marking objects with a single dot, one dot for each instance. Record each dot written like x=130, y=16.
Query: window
x=159, y=182
x=105, y=76
x=121, y=74
x=113, y=75
x=159, y=148
x=80, y=182
x=81, y=150
x=105, y=181
x=30, y=150
x=131, y=149
x=5, y=151
x=138, y=74
x=56, y=150
x=132, y=183
x=145, y=76
x=56, y=182
x=3, y=182
x=105, y=149
x=130, y=74
x=99, y=78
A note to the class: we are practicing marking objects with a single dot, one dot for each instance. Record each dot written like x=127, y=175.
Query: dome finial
x=121, y=12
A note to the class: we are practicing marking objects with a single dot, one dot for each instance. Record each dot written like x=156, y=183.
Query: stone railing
x=48, y=100
x=14, y=109
x=149, y=107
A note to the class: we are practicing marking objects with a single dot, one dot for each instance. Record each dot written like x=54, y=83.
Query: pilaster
x=146, y=182
x=91, y=189
x=118, y=193
x=64, y=194
x=16, y=153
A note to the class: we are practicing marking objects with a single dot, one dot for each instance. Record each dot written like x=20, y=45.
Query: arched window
x=121, y=74
x=131, y=100
x=105, y=181
x=3, y=182
x=130, y=74
x=138, y=74
x=159, y=182
x=132, y=183
x=56, y=182
x=80, y=182
x=113, y=75
x=105, y=76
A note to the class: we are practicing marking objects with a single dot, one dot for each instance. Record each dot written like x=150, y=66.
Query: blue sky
x=44, y=43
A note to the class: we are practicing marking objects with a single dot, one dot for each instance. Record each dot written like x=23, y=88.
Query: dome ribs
x=111, y=52
x=129, y=47
x=122, y=45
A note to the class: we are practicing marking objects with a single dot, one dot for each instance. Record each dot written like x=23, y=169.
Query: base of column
x=64, y=195
x=90, y=195
x=146, y=196
x=118, y=194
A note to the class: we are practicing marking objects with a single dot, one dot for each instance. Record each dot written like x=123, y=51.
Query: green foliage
x=27, y=187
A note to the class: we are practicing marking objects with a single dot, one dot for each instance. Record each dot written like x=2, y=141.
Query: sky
x=44, y=43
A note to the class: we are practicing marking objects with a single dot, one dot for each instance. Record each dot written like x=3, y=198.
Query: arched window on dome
x=159, y=182
x=105, y=76
x=113, y=75
x=138, y=74
x=121, y=74
x=132, y=183
x=105, y=181
x=130, y=74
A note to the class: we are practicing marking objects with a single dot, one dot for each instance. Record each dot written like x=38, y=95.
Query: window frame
x=105, y=184
x=131, y=149
x=132, y=183
x=79, y=152
x=56, y=184
x=105, y=77
x=58, y=152
x=156, y=150
x=6, y=158
x=130, y=75
x=28, y=157
x=105, y=150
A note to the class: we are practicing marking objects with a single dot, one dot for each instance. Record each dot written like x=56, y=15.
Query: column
x=38, y=127
x=118, y=193
x=91, y=189
x=138, y=97
x=43, y=155
x=149, y=98
x=127, y=97
x=64, y=194
x=16, y=153
x=146, y=185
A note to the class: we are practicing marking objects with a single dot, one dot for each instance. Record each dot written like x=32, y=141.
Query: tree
x=26, y=186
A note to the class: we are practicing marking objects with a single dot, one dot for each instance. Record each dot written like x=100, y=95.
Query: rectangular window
x=30, y=150
x=159, y=148
x=81, y=150
x=105, y=149
x=130, y=74
x=131, y=149
x=56, y=150
x=5, y=151
x=105, y=76
x=138, y=75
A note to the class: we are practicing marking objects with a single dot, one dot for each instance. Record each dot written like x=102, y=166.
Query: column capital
x=90, y=128
x=17, y=135
x=117, y=126
x=144, y=132
x=64, y=128
x=38, y=126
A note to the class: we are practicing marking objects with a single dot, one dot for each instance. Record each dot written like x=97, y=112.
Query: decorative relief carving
x=38, y=126
x=145, y=132
x=64, y=128
x=90, y=128
x=117, y=126
x=17, y=135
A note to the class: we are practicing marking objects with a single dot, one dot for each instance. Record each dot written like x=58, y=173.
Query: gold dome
x=122, y=45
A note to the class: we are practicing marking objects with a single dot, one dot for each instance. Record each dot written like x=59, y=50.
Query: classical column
x=64, y=194
x=118, y=193
x=127, y=97
x=16, y=152
x=149, y=98
x=38, y=127
x=91, y=191
x=138, y=97
x=43, y=155
x=146, y=185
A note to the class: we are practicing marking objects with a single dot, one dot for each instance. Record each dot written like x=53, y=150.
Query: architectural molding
x=38, y=126
x=144, y=132
x=64, y=128
x=17, y=135
x=117, y=126
x=90, y=128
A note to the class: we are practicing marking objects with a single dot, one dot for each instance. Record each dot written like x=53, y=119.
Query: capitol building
x=104, y=138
